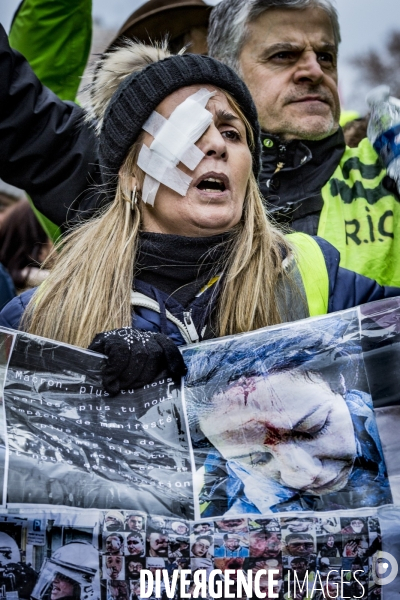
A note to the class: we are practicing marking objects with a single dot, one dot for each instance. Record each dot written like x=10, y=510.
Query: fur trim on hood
x=112, y=68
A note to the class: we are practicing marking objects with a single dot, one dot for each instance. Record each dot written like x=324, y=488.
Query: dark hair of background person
x=21, y=241
x=355, y=131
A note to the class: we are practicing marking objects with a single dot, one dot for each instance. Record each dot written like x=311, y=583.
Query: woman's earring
x=133, y=197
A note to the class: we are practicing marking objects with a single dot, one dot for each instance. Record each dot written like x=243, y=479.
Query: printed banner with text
x=279, y=452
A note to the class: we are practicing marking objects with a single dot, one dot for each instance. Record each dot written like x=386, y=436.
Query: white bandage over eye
x=174, y=142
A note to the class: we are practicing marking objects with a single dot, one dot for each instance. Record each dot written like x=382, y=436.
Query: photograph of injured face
x=282, y=420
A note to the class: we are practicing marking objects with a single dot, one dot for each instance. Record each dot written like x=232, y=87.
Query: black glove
x=136, y=358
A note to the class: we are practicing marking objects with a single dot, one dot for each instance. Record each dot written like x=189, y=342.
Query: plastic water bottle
x=384, y=129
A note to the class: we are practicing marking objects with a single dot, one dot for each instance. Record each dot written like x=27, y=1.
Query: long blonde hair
x=89, y=288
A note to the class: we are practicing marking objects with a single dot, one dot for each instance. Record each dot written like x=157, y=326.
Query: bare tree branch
x=376, y=68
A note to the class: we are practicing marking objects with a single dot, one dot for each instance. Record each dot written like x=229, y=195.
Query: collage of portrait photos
x=302, y=549
x=132, y=541
x=94, y=555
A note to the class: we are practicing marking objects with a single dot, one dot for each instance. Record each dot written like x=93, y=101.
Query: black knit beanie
x=140, y=93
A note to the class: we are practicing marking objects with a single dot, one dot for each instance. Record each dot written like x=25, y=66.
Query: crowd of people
x=206, y=189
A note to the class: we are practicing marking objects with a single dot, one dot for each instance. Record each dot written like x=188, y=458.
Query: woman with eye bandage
x=184, y=250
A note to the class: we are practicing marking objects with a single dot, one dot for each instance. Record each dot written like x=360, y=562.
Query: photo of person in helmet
x=64, y=587
x=9, y=551
x=15, y=575
x=70, y=574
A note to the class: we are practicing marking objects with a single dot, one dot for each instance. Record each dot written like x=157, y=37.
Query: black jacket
x=293, y=192
x=159, y=310
x=294, y=173
x=45, y=148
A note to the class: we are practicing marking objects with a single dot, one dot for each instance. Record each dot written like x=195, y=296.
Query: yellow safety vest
x=314, y=275
x=361, y=218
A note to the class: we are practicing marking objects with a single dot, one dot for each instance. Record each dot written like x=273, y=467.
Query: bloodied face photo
x=113, y=567
x=284, y=423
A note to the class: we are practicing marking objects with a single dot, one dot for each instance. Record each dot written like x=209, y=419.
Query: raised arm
x=45, y=147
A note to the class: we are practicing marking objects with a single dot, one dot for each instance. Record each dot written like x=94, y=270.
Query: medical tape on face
x=174, y=142
x=159, y=170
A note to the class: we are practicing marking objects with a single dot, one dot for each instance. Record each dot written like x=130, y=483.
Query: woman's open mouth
x=212, y=183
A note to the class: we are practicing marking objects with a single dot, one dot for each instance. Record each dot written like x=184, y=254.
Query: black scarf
x=179, y=265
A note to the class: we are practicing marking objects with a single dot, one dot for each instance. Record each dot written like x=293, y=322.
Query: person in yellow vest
x=287, y=56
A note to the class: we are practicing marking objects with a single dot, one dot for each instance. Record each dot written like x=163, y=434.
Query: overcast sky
x=365, y=25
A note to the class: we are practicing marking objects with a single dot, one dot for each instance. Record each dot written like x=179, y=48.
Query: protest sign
x=71, y=444
x=282, y=420
x=278, y=453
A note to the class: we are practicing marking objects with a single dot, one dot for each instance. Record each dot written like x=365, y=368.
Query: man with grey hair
x=286, y=52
